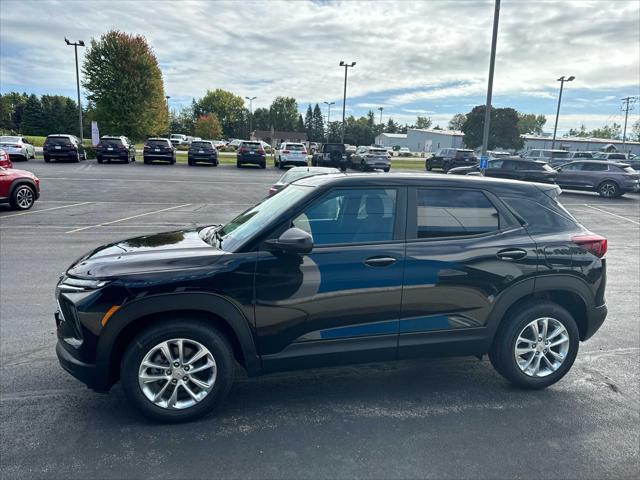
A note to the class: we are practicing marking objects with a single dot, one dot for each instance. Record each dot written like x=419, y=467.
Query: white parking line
x=127, y=218
x=45, y=210
x=612, y=214
x=81, y=179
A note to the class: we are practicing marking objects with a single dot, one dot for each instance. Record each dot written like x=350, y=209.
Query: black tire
x=99, y=159
x=191, y=163
x=47, y=159
x=263, y=165
x=190, y=329
x=23, y=197
x=147, y=161
x=343, y=168
x=502, y=354
x=238, y=164
x=428, y=167
x=386, y=170
x=78, y=158
x=609, y=189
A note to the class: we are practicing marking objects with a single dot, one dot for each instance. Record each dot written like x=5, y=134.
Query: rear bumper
x=167, y=157
x=17, y=156
x=87, y=373
x=595, y=320
x=61, y=155
x=257, y=159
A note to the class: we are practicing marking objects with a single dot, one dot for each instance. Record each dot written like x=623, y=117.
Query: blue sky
x=427, y=58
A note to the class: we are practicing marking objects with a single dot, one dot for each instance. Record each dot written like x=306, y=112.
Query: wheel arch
x=19, y=182
x=132, y=318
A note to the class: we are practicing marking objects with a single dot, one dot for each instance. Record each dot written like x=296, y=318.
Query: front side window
x=572, y=167
x=454, y=213
x=348, y=216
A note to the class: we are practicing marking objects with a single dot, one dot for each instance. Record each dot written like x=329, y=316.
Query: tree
x=284, y=113
x=124, y=82
x=423, y=122
x=582, y=132
x=503, y=131
x=391, y=126
x=613, y=132
x=317, y=124
x=228, y=108
x=32, y=117
x=182, y=121
x=334, y=131
x=531, y=123
x=300, y=124
x=261, y=119
x=635, y=132
x=11, y=110
x=457, y=121
x=308, y=123
x=208, y=127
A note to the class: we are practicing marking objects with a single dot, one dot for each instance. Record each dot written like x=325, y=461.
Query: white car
x=290, y=153
x=235, y=143
x=18, y=148
x=612, y=156
x=404, y=151
x=178, y=139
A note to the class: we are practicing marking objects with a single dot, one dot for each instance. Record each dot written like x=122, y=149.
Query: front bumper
x=88, y=373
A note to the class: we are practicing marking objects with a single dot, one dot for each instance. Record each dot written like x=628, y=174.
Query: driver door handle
x=380, y=261
x=511, y=254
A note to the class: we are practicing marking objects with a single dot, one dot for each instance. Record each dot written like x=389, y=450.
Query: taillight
x=242, y=150
x=304, y=152
x=285, y=151
x=591, y=243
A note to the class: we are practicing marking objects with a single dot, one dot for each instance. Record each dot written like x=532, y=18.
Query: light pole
x=380, y=108
x=492, y=63
x=251, y=99
x=77, y=44
x=344, y=98
x=328, y=104
x=628, y=101
x=555, y=127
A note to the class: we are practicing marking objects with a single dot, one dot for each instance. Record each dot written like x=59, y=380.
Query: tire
x=191, y=163
x=47, y=159
x=428, y=167
x=99, y=159
x=386, y=170
x=263, y=165
x=609, y=189
x=502, y=353
x=343, y=168
x=238, y=164
x=147, y=161
x=23, y=197
x=197, y=336
x=78, y=158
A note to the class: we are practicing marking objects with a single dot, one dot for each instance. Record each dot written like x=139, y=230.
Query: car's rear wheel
x=177, y=370
x=536, y=346
x=386, y=170
x=428, y=167
x=609, y=189
x=47, y=159
x=100, y=160
x=146, y=161
x=23, y=197
x=238, y=164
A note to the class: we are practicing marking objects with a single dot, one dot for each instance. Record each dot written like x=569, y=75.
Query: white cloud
x=413, y=49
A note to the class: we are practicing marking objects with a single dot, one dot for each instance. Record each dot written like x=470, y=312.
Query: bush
x=90, y=151
x=183, y=148
x=36, y=141
x=228, y=149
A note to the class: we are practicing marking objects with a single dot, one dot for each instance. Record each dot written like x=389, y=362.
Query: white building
x=418, y=140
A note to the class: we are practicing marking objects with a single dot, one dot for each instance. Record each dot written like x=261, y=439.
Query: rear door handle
x=380, y=261
x=511, y=254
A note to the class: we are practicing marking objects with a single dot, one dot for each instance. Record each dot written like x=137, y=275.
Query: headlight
x=71, y=284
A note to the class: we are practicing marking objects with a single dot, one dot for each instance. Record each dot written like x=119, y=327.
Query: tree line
x=35, y=115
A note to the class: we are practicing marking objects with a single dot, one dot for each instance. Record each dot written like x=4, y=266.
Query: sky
x=427, y=58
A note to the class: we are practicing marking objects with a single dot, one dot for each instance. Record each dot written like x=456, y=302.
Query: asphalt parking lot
x=445, y=418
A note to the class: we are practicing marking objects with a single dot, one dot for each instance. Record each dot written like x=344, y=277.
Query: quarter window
x=454, y=213
x=350, y=216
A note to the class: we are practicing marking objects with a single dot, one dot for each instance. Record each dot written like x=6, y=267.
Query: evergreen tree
x=32, y=117
x=318, y=124
x=308, y=123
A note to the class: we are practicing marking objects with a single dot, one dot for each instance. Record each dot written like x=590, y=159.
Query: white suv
x=290, y=153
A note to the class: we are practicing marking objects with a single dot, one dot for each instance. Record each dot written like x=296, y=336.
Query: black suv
x=514, y=168
x=447, y=158
x=202, y=151
x=158, y=149
x=63, y=147
x=252, y=153
x=115, y=148
x=337, y=269
x=331, y=155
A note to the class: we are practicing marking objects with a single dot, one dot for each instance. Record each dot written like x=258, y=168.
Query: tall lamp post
x=328, y=104
x=380, y=108
x=487, y=108
x=344, y=98
x=251, y=99
x=555, y=127
x=77, y=44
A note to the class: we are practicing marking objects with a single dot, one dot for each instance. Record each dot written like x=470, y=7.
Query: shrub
x=90, y=151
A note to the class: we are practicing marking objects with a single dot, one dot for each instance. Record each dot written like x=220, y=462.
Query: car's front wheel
x=536, y=346
x=609, y=189
x=177, y=370
x=23, y=198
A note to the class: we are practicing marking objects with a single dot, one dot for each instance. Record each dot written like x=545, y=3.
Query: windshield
x=9, y=139
x=249, y=222
x=295, y=147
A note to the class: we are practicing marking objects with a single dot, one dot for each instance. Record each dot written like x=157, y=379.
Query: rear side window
x=252, y=145
x=454, y=213
x=540, y=218
x=595, y=167
x=296, y=147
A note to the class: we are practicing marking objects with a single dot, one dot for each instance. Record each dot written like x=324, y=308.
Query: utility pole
x=555, y=127
x=328, y=104
x=492, y=62
x=344, y=98
x=77, y=44
x=628, y=102
x=251, y=99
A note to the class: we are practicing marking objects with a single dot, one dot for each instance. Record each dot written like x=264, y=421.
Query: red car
x=5, y=161
x=19, y=188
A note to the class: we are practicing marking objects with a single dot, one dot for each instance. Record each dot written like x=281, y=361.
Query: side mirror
x=293, y=240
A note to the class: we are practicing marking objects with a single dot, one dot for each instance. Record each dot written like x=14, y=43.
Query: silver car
x=553, y=157
x=609, y=179
x=18, y=148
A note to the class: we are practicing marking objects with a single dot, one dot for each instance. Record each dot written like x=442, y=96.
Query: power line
x=627, y=105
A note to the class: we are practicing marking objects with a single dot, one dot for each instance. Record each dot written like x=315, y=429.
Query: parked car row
x=18, y=148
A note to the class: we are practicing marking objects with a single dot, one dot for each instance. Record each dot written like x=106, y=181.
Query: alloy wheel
x=541, y=347
x=24, y=197
x=608, y=190
x=177, y=374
